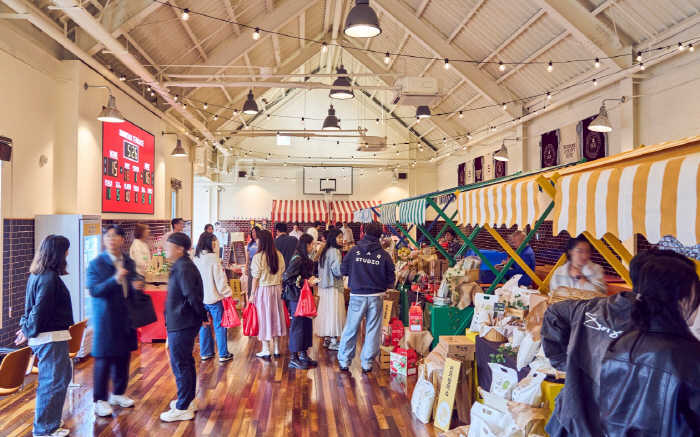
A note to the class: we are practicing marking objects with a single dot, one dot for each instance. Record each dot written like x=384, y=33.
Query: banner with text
x=569, y=145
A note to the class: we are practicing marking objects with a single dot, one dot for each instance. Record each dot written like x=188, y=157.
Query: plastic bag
x=518, y=336
x=230, y=318
x=529, y=390
x=306, y=307
x=287, y=320
x=497, y=423
x=422, y=400
x=250, y=321
x=483, y=306
x=503, y=380
x=527, y=351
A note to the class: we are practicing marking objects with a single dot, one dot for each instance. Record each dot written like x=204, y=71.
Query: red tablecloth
x=156, y=331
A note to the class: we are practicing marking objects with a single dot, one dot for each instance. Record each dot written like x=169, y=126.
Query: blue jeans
x=206, y=341
x=54, y=377
x=181, y=345
x=359, y=307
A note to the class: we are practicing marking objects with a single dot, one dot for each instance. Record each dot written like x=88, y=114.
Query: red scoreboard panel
x=128, y=157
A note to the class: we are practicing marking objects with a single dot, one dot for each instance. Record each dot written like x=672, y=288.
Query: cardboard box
x=415, y=318
x=458, y=347
x=393, y=295
x=396, y=326
x=403, y=361
x=437, y=356
x=384, y=357
x=386, y=319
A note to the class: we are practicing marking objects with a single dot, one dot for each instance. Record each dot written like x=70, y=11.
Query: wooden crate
x=384, y=357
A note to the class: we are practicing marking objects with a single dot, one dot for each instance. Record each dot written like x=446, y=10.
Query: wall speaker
x=242, y=174
x=5, y=149
x=403, y=176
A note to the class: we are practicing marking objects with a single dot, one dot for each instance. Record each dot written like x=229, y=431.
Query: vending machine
x=85, y=236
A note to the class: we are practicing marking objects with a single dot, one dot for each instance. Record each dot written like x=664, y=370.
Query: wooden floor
x=244, y=397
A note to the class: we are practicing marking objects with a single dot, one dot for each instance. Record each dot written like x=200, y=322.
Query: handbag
x=291, y=292
x=230, y=318
x=141, y=309
x=250, y=321
x=306, y=307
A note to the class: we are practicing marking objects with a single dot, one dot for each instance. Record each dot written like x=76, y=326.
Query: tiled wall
x=17, y=255
x=158, y=229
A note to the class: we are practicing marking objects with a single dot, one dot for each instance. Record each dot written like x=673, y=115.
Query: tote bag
x=250, y=321
x=230, y=318
x=306, y=307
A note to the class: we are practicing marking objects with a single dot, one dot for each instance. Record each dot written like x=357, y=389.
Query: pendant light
x=394, y=179
x=178, y=150
x=342, y=94
x=502, y=154
x=251, y=176
x=362, y=21
x=423, y=112
x=110, y=113
x=250, y=106
x=331, y=122
x=601, y=122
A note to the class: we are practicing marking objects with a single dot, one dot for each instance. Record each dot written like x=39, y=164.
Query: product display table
x=156, y=331
x=441, y=320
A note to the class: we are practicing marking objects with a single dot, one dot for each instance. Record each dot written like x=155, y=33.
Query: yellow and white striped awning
x=507, y=203
x=651, y=198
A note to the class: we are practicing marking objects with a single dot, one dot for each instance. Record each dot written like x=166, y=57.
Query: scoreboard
x=128, y=157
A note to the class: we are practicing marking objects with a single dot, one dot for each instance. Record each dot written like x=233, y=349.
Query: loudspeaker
x=403, y=176
x=242, y=174
x=5, y=149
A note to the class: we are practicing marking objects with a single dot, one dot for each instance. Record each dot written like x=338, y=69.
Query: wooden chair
x=76, y=334
x=12, y=371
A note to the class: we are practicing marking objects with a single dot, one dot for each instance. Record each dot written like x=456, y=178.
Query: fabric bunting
x=343, y=210
x=412, y=211
x=363, y=216
x=388, y=214
x=444, y=199
x=502, y=204
x=653, y=199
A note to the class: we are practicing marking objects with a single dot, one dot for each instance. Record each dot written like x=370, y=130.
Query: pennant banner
x=412, y=211
x=387, y=214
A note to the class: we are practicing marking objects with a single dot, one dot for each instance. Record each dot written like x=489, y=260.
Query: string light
x=185, y=15
x=153, y=93
x=256, y=34
x=177, y=96
x=639, y=56
x=148, y=89
x=549, y=95
x=691, y=48
x=324, y=49
x=680, y=47
x=184, y=106
x=501, y=66
x=394, y=145
x=268, y=116
x=386, y=58
x=447, y=64
x=550, y=67
x=122, y=78
x=469, y=136
x=504, y=105
x=216, y=117
x=461, y=115
x=302, y=120
x=641, y=65
x=595, y=82
x=285, y=163
x=377, y=121
x=464, y=147
x=235, y=112
x=597, y=63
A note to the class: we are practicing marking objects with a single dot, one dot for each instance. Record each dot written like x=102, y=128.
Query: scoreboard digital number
x=128, y=158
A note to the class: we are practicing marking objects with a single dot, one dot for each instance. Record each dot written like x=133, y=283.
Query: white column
x=627, y=116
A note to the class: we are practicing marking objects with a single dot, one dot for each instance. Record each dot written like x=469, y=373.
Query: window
x=284, y=141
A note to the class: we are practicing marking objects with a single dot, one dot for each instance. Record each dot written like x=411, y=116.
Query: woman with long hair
x=47, y=316
x=301, y=330
x=140, y=251
x=216, y=289
x=250, y=250
x=267, y=268
x=650, y=376
x=579, y=272
x=209, y=228
x=331, y=308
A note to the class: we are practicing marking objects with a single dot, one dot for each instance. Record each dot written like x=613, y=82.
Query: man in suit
x=184, y=315
x=111, y=279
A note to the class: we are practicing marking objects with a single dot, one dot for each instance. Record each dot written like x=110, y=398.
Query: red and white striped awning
x=298, y=210
x=343, y=209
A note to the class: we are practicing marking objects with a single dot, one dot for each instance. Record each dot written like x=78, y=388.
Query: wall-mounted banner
x=594, y=144
x=500, y=168
x=549, y=147
x=478, y=169
x=461, y=177
x=569, y=145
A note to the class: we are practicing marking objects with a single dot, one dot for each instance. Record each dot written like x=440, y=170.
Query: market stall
x=299, y=211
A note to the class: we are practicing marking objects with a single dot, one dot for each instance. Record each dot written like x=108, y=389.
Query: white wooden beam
x=427, y=132
x=187, y=28
x=465, y=20
x=403, y=42
x=269, y=5
x=421, y=7
x=452, y=90
x=534, y=55
x=514, y=35
x=246, y=59
x=232, y=16
x=302, y=30
x=276, y=47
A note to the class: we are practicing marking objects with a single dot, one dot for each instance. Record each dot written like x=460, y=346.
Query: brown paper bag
x=460, y=431
x=464, y=394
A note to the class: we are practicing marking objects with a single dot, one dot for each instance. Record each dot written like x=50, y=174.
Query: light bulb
x=386, y=58
x=469, y=136
x=256, y=34
x=680, y=47
x=464, y=147
x=235, y=112
x=447, y=64
x=417, y=120
x=277, y=179
x=595, y=82
x=206, y=105
x=535, y=111
x=294, y=179
x=148, y=89
x=153, y=94
x=501, y=66
x=504, y=105
x=122, y=78
x=216, y=117
x=639, y=56
x=549, y=95
x=377, y=121
x=397, y=153
x=597, y=63
x=268, y=116
x=176, y=97
x=691, y=48
x=185, y=14
x=325, y=47
x=545, y=107
x=641, y=65
x=550, y=67
x=431, y=159
x=394, y=145
x=184, y=106
x=302, y=120
x=461, y=115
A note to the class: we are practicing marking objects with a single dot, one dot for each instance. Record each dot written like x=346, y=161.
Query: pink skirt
x=268, y=302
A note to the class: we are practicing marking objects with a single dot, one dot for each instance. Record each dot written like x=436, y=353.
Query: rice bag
x=527, y=351
x=483, y=306
x=529, y=390
x=422, y=400
x=518, y=336
x=503, y=380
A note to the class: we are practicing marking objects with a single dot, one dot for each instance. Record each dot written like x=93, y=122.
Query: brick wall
x=158, y=229
x=17, y=255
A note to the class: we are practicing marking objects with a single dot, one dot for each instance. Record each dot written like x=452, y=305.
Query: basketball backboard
x=338, y=180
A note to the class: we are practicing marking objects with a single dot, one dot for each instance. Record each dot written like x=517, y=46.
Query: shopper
x=370, y=273
x=250, y=250
x=575, y=335
x=140, y=251
x=178, y=225
x=579, y=272
x=47, y=316
x=216, y=289
x=650, y=376
x=453, y=245
x=285, y=243
x=331, y=307
x=209, y=228
x=313, y=230
x=110, y=279
x=527, y=255
x=267, y=269
x=347, y=233
x=184, y=315
x=301, y=329
x=296, y=233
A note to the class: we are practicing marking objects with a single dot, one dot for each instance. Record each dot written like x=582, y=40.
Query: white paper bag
x=483, y=306
x=498, y=423
x=527, y=351
x=518, y=336
x=422, y=400
x=503, y=380
x=529, y=390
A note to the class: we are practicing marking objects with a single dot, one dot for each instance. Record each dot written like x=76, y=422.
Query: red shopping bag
x=286, y=315
x=250, y=321
x=306, y=307
x=230, y=318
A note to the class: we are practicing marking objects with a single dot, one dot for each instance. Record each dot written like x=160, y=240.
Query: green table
x=442, y=320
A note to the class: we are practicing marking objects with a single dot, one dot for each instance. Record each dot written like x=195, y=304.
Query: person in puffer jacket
x=575, y=337
x=370, y=273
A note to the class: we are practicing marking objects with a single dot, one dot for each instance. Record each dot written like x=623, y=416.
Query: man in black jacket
x=285, y=243
x=370, y=273
x=184, y=315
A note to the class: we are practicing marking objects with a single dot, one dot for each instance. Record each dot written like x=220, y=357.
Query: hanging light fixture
x=251, y=176
x=342, y=94
x=331, y=122
x=502, y=154
x=501, y=66
x=110, y=113
x=178, y=150
x=250, y=106
x=422, y=112
x=362, y=21
x=601, y=122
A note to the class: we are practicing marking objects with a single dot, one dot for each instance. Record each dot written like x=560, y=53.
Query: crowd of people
x=632, y=361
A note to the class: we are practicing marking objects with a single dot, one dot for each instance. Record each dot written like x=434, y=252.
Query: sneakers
x=207, y=357
x=263, y=354
x=225, y=358
x=344, y=367
x=192, y=407
x=121, y=400
x=366, y=369
x=326, y=342
x=60, y=432
x=103, y=409
x=334, y=346
x=175, y=415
